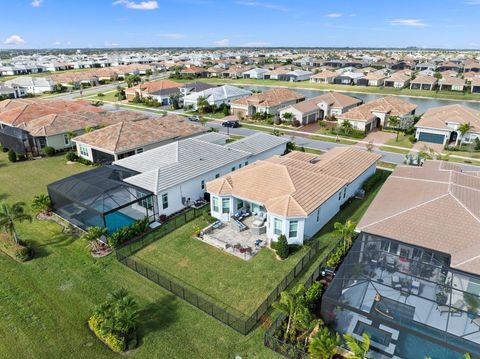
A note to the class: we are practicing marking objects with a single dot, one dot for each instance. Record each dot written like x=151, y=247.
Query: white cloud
x=256, y=44
x=110, y=44
x=142, y=5
x=408, y=22
x=14, y=40
x=222, y=42
x=57, y=43
x=334, y=15
x=263, y=5
x=172, y=35
x=36, y=3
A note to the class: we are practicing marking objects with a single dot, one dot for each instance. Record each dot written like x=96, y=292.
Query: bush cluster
x=127, y=233
x=114, y=342
x=12, y=156
x=283, y=248
x=49, y=151
x=373, y=180
x=73, y=157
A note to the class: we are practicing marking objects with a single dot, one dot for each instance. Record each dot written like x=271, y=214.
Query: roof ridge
x=121, y=123
x=406, y=210
x=465, y=207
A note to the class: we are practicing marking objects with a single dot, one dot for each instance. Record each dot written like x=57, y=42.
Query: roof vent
x=315, y=160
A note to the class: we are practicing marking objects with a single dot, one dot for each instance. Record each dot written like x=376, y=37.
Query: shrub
x=12, y=156
x=373, y=180
x=100, y=94
x=282, y=247
x=71, y=156
x=49, y=151
x=476, y=144
x=296, y=123
x=23, y=253
x=313, y=294
x=127, y=233
x=114, y=342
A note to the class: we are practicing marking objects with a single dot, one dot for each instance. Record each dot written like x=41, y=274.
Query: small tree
x=42, y=203
x=288, y=116
x=346, y=127
x=346, y=232
x=289, y=304
x=394, y=122
x=282, y=247
x=202, y=104
x=175, y=100
x=12, y=156
x=464, y=128
x=10, y=215
x=358, y=348
x=325, y=344
x=93, y=235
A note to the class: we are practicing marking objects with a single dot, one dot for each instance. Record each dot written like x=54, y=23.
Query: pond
x=422, y=103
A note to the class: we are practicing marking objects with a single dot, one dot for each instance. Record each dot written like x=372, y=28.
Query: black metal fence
x=280, y=346
x=241, y=322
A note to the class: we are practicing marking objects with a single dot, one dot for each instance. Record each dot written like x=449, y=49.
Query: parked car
x=195, y=118
x=231, y=123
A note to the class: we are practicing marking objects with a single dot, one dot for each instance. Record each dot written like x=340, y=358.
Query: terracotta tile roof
x=55, y=124
x=154, y=86
x=324, y=75
x=424, y=80
x=269, y=98
x=391, y=105
x=193, y=70
x=435, y=206
x=454, y=81
x=333, y=99
x=398, y=77
x=126, y=135
x=436, y=117
x=375, y=76
x=19, y=113
x=296, y=184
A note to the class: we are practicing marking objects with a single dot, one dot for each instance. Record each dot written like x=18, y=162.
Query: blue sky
x=140, y=23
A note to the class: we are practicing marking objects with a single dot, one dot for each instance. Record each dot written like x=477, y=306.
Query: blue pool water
x=412, y=347
x=117, y=220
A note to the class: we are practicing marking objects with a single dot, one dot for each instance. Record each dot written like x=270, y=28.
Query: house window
x=240, y=165
x=83, y=150
x=246, y=163
x=233, y=168
x=339, y=195
x=277, y=226
x=217, y=175
x=225, y=205
x=239, y=204
x=344, y=192
x=146, y=202
x=139, y=150
x=202, y=184
x=293, y=229
x=318, y=214
x=165, y=200
x=67, y=140
x=215, y=204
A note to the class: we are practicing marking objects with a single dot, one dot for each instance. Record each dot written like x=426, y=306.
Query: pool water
x=412, y=347
x=117, y=220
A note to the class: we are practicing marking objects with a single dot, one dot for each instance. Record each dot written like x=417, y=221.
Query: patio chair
x=396, y=282
x=415, y=288
x=443, y=309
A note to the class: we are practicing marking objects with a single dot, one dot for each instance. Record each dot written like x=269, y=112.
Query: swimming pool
x=410, y=346
x=117, y=220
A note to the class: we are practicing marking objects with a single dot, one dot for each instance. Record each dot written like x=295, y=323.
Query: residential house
x=320, y=107
x=372, y=79
x=348, y=78
x=475, y=85
x=194, y=71
x=451, y=84
x=236, y=71
x=31, y=85
x=423, y=83
x=441, y=125
x=177, y=173
x=127, y=138
x=269, y=102
x=297, y=75
x=283, y=192
x=276, y=74
x=256, y=73
x=397, y=80
x=160, y=90
x=215, y=71
x=216, y=95
x=375, y=113
x=425, y=66
x=324, y=77
x=411, y=276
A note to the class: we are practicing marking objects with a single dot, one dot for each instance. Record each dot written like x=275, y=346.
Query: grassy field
x=108, y=96
x=403, y=141
x=346, y=88
x=242, y=285
x=45, y=303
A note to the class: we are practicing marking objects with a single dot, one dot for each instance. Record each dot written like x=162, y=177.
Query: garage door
x=431, y=137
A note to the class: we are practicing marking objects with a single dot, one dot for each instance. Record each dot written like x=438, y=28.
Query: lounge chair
x=396, y=282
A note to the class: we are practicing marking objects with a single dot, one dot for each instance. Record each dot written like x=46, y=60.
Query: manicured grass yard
x=107, y=96
x=241, y=284
x=44, y=303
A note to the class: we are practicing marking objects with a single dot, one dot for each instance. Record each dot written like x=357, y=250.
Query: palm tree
x=202, y=103
x=359, y=349
x=305, y=322
x=93, y=235
x=10, y=214
x=288, y=305
x=345, y=231
x=346, y=127
x=288, y=116
x=42, y=203
x=463, y=129
x=394, y=122
x=324, y=345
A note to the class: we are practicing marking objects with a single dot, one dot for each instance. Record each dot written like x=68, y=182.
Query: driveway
x=424, y=146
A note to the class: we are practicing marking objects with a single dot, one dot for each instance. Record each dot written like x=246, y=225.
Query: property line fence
x=280, y=346
x=241, y=322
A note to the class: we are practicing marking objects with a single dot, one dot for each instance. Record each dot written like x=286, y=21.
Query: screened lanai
x=100, y=197
x=409, y=299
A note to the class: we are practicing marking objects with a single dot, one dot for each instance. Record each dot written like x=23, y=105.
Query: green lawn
x=108, y=96
x=242, y=285
x=44, y=303
x=403, y=141
x=346, y=88
x=395, y=150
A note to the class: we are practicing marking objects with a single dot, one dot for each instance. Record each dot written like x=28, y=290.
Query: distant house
x=269, y=102
x=451, y=84
x=372, y=79
x=397, y=81
x=235, y=71
x=194, y=71
x=375, y=113
x=475, y=85
x=127, y=138
x=325, y=77
x=283, y=192
x=254, y=73
x=348, y=78
x=425, y=66
x=423, y=83
x=11, y=92
x=216, y=95
x=159, y=90
x=193, y=87
x=321, y=107
x=277, y=74
x=449, y=66
x=215, y=71
x=297, y=75
x=441, y=125
x=32, y=85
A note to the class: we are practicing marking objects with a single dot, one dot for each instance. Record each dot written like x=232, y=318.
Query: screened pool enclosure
x=407, y=298
x=100, y=197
